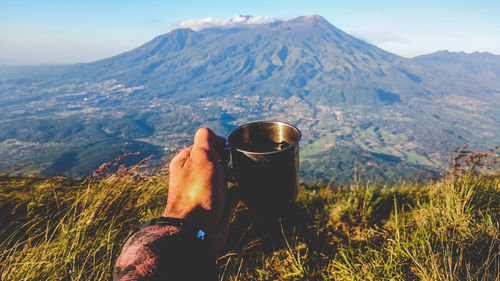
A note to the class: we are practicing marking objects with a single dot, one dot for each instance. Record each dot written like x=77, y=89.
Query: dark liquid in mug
x=266, y=145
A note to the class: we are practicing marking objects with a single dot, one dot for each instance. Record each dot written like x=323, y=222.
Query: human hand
x=198, y=188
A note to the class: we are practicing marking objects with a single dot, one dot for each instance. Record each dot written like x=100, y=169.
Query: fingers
x=205, y=144
x=205, y=138
x=181, y=157
x=222, y=226
x=203, y=148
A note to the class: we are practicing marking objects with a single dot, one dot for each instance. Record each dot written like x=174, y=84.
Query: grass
x=66, y=229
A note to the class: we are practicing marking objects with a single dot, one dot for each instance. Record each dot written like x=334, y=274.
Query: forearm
x=171, y=248
x=164, y=252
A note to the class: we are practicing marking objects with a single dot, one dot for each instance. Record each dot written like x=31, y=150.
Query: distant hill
x=365, y=107
x=474, y=62
x=479, y=68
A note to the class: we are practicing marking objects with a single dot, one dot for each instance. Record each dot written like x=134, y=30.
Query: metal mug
x=265, y=164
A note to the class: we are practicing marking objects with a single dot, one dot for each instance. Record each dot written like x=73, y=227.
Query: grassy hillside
x=66, y=229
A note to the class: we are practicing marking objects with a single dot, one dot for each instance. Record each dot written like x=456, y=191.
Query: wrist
x=195, y=218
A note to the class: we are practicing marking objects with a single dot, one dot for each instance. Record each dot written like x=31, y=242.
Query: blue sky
x=38, y=31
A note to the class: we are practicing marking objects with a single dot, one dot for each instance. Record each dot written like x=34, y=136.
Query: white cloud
x=235, y=21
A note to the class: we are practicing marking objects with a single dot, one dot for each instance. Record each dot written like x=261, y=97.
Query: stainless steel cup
x=265, y=160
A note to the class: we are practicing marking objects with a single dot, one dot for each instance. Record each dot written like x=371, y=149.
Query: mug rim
x=268, y=152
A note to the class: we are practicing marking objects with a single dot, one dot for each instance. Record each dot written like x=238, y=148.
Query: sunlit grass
x=64, y=229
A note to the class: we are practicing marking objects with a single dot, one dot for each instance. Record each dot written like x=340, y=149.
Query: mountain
x=475, y=62
x=364, y=112
x=479, y=68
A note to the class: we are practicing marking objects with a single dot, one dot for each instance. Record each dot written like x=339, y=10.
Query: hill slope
x=60, y=229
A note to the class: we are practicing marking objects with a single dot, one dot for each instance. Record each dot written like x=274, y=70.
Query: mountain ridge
x=342, y=92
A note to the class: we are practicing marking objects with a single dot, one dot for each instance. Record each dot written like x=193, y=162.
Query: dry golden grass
x=64, y=229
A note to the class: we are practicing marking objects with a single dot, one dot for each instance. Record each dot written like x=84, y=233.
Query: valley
x=363, y=112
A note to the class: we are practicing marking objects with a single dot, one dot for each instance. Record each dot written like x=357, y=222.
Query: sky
x=70, y=31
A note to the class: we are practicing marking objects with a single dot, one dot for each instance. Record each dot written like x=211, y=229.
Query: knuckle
x=202, y=154
x=199, y=151
x=173, y=163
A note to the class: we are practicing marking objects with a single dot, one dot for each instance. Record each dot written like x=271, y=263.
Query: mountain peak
x=314, y=17
x=316, y=20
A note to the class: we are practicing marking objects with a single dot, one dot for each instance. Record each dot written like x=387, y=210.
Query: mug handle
x=224, y=152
